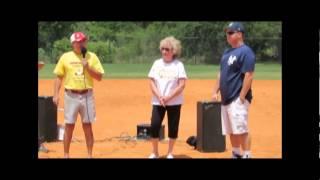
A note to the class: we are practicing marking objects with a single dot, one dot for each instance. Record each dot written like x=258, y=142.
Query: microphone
x=83, y=51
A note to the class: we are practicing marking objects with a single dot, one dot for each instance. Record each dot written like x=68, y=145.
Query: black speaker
x=144, y=131
x=47, y=119
x=209, y=130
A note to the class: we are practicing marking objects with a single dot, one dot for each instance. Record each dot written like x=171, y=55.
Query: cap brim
x=226, y=29
x=82, y=40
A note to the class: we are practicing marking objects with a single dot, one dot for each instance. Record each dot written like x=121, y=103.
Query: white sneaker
x=246, y=157
x=153, y=156
x=236, y=156
x=169, y=156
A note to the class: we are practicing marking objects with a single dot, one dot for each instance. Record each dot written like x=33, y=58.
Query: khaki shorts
x=79, y=103
x=234, y=117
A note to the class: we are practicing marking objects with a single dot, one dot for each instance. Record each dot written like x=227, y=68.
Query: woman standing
x=167, y=81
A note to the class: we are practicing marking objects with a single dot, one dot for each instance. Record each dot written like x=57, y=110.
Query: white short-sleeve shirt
x=166, y=76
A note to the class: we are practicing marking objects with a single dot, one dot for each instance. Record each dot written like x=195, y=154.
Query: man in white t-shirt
x=167, y=81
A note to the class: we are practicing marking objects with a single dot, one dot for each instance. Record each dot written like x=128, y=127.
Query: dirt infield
x=122, y=104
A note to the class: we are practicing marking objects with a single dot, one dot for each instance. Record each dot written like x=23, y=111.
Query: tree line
x=203, y=42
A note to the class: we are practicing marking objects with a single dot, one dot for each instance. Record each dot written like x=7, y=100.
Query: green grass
x=268, y=71
x=126, y=71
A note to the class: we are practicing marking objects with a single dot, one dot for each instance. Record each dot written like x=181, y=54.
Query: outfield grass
x=125, y=71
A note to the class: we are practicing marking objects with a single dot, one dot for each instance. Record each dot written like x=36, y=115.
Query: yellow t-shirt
x=70, y=67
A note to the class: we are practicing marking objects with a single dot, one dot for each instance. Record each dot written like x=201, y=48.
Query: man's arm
x=57, y=86
x=248, y=77
x=216, y=89
x=93, y=73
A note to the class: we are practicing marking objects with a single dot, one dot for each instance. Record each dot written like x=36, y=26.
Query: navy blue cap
x=235, y=26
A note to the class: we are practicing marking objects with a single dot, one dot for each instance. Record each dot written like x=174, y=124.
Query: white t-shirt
x=166, y=76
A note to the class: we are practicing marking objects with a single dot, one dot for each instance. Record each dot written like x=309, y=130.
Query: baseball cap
x=78, y=37
x=235, y=26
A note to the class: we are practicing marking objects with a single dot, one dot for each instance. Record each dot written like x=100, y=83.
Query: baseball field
x=123, y=100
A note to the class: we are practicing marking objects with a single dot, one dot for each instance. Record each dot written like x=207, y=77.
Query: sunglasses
x=166, y=49
x=231, y=32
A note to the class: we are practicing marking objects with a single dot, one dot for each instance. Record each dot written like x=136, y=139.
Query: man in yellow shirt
x=77, y=68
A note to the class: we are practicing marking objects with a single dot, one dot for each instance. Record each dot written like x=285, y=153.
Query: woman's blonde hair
x=174, y=43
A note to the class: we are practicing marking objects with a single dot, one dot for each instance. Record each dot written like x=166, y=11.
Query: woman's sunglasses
x=166, y=49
